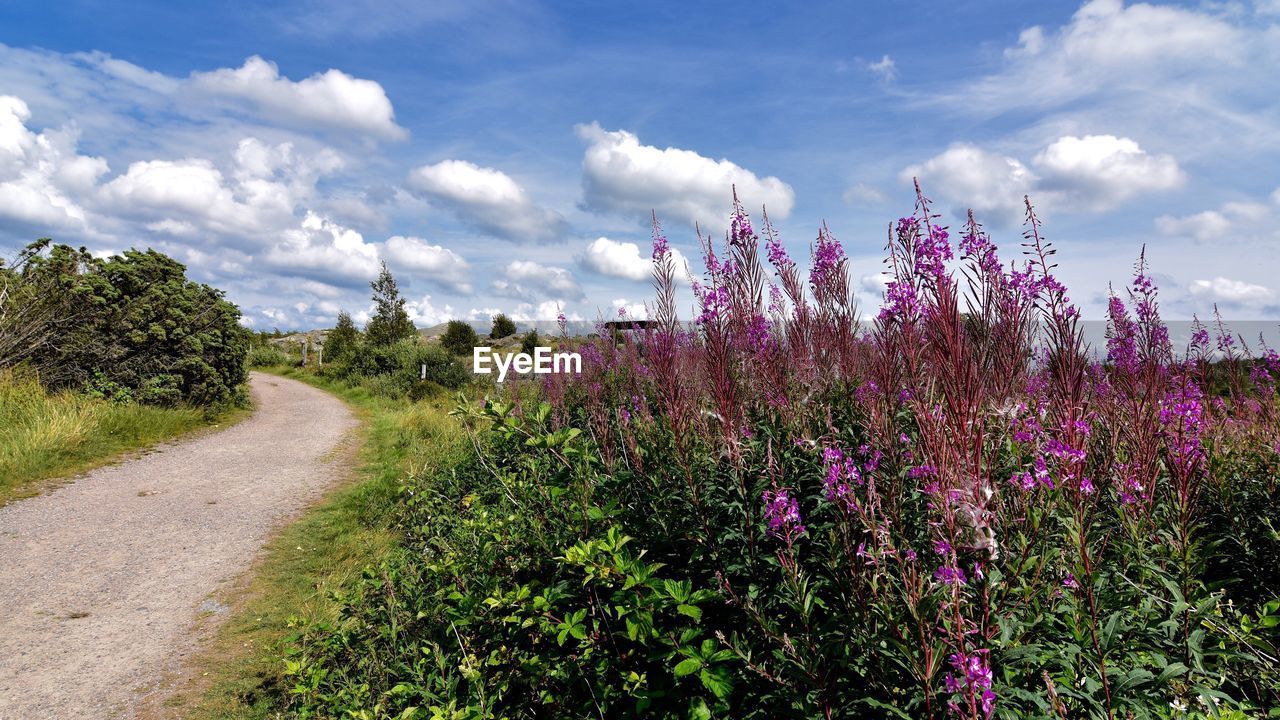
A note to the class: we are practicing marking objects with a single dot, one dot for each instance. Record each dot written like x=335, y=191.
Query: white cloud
x=42, y=177
x=529, y=280
x=884, y=68
x=267, y=186
x=435, y=263
x=489, y=200
x=1092, y=173
x=424, y=313
x=545, y=311
x=332, y=99
x=623, y=307
x=1236, y=221
x=625, y=260
x=621, y=175
x=977, y=179
x=322, y=249
x=1235, y=292
x=864, y=194
x=1108, y=46
x=1102, y=171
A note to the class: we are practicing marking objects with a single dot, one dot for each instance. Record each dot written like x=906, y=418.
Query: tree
x=342, y=340
x=131, y=325
x=502, y=327
x=459, y=338
x=529, y=343
x=390, y=322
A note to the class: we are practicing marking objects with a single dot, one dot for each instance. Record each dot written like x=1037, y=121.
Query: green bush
x=269, y=356
x=503, y=326
x=459, y=338
x=530, y=342
x=130, y=322
x=398, y=366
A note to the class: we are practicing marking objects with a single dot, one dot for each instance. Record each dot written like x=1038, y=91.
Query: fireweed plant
x=957, y=510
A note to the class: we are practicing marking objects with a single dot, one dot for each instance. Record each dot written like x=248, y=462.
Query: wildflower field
x=956, y=510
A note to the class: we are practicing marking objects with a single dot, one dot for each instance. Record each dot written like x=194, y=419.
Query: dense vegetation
x=388, y=358
x=104, y=355
x=130, y=327
x=959, y=512
x=503, y=326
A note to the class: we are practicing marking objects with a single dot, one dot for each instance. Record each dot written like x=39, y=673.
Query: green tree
x=390, y=322
x=502, y=327
x=529, y=342
x=459, y=338
x=131, y=325
x=342, y=340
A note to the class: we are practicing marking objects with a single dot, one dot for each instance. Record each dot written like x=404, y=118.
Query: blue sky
x=506, y=156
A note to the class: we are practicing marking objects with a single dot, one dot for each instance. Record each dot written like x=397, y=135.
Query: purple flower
x=900, y=302
x=782, y=513
x=948, y=575
x=971, y=672
x=777, y=253
x=758, y=338
x=1182, y=418
x=660, y=247
x=841, y=476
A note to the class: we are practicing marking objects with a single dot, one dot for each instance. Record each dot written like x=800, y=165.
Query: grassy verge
x=239, y=675
x=55, y=435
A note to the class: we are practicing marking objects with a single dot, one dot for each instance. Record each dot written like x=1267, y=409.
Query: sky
x=509, y=156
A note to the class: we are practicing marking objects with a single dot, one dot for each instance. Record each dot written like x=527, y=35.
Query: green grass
x=240, y=674
x=47, y=436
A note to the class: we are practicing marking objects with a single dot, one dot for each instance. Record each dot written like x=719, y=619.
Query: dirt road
x=102, y=581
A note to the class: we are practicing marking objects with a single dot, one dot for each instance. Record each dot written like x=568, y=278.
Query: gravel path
x=102, y=580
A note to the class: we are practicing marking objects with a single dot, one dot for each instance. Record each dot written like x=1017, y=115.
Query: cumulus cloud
x=434, y=263
x=424, y=313
x=324, y=250
x=1232, y=292
x=530, y=280
x=42, y=177
x=622, y=176
x=489, y=200
x=1091, y=173
x=975, y=178
x=1236, y=221
x=1102, y=171
x=267, y=185
x=332, y=99
x=614, y=258
x=623, y=307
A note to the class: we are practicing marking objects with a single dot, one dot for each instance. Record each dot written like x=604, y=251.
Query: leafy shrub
x=133, y=321
x=959, y=513
x=343, y=340
x=399, y=366
x=503, y=326
x=459, y=338
x=529, y=343
x=268, y=356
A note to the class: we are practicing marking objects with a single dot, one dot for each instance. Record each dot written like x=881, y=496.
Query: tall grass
x=46, y=435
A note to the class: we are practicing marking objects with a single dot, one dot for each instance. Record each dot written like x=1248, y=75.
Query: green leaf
x=692, y=611
x=688, y=666
x=716, y=681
